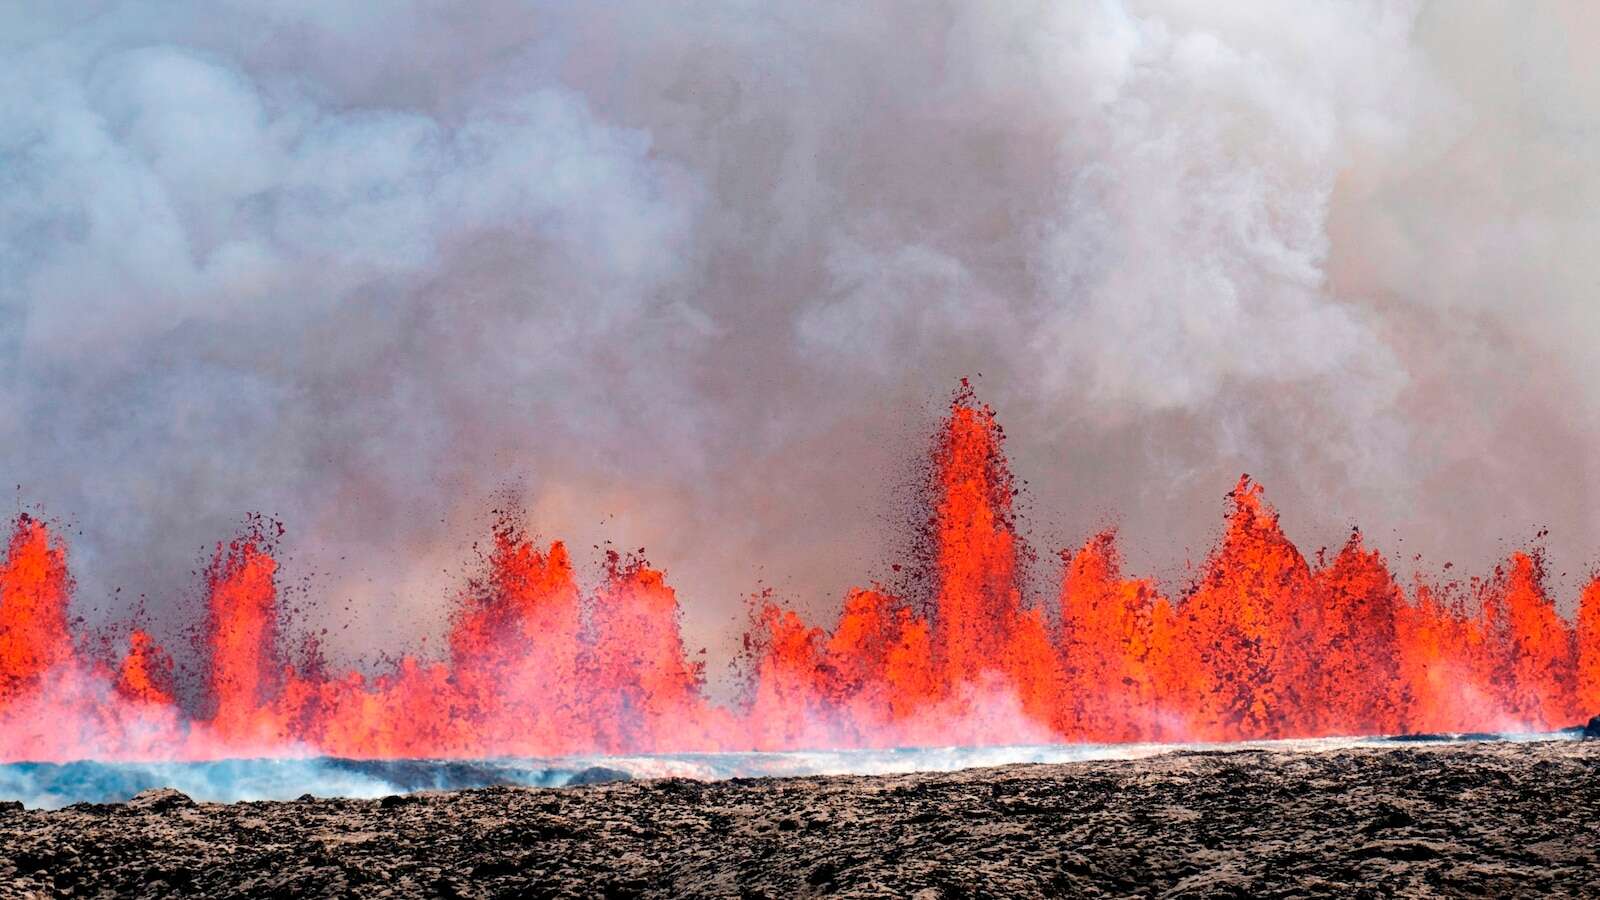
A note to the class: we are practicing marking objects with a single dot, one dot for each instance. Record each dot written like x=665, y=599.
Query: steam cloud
x=693, y=277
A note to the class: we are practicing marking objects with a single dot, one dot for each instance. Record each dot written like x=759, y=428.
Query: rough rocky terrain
x=1493, y=819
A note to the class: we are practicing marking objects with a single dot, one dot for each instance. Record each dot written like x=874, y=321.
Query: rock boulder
x=160, y=800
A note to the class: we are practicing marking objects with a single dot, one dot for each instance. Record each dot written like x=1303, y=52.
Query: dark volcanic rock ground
x=1489, y=819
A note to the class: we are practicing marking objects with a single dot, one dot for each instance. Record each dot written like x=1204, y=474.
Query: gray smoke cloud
x=698, y=278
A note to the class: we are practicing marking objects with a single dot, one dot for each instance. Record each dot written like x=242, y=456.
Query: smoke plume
x=696, y=277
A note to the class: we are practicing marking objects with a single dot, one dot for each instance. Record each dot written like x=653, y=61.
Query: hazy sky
x=699, y=277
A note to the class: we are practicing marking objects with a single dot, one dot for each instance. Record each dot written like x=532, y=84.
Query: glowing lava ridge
x=1266, y=644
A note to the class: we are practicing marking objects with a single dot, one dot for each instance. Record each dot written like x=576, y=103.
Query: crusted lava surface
x=1493, y=818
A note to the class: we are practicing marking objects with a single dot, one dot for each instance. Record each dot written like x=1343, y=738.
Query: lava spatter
x=1265, y=644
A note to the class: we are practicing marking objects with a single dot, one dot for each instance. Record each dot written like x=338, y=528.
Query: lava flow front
x=1266, y=644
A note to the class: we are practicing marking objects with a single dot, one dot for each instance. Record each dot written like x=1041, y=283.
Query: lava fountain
x=1266, y=644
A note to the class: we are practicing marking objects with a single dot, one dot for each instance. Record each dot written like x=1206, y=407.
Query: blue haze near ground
x=53, y=785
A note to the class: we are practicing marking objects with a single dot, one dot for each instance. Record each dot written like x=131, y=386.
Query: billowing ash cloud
x=697, y=277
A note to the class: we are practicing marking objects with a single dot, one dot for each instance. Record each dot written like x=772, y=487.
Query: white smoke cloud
x=360, y=266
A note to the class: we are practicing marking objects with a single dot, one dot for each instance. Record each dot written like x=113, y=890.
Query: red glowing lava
x=1267, y=644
